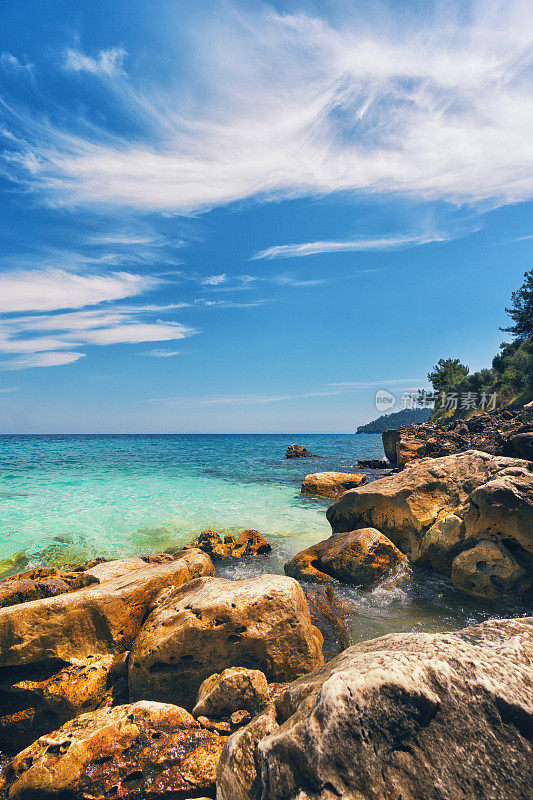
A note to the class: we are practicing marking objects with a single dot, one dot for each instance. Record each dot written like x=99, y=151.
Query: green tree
x=447, y=373
x=521, y=310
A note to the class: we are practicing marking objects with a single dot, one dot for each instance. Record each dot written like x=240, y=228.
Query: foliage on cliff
x=511, y=374
x=389, y=421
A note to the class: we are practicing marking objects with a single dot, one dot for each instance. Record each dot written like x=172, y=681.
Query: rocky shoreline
x=151, y=677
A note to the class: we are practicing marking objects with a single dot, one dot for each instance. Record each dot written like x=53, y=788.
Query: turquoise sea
x=65, y=499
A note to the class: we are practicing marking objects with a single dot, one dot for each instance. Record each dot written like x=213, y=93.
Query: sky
x=249, y=217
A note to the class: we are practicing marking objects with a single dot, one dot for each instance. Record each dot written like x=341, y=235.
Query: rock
x=298, y=451
x=250, y=543
x=489, y=570
x=329, y=615
x=390, y=439
x=405, y=505
x=237, y=776
x=235, y=688
x=522, y=444
x=99, y=620
x=211, y=543
x=443, y=541
x=331, y=484
x=109, y=570
x=507, y=432
x=34, y=704
x=36, y=584
x=211, y=624
x=437, y=716
x=502, y=509
x=360, y=557
x=239, y=718
x=140, y=750
x=373, y=463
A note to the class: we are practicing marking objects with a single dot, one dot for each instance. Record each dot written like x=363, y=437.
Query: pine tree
x=521, y=310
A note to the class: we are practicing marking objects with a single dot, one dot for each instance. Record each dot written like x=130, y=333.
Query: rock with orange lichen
x=35, y=584
x=97, y=620
x=250, y=543
x=139, y=750
x=360, y=557
x=34, y=702
x=331, y=484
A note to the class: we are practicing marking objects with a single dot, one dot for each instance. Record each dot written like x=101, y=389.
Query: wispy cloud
x=11, y=63
x=214, y=280
x=350, y=245
x=107, y=62
x=437, y=106
x=41, y=337
x=51, y=289
x=162, y=353
x=41, y=360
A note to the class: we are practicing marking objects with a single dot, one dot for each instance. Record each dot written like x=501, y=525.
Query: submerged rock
x=98, y=620
x=298, y=451
x=235, y=689
x=140, y=750
x=210, y=624
x=433, y=716
x=373, y=463
x=331, y=484
x=360, y=557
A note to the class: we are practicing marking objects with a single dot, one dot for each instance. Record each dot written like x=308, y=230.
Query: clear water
x=64, y=499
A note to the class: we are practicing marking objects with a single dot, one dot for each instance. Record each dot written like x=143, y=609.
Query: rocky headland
x=506, y=432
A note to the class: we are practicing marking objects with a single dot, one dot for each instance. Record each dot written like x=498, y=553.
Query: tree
x=521, y=310
x=447, y=373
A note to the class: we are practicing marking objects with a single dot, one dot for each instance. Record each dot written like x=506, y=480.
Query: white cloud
x=47, y=290
x=437, y=106
x=162, y=353
x=106, y=63
x=214, y=280
x=48, y=339
x=41, y=360
x=314, y=248
x=10, y=63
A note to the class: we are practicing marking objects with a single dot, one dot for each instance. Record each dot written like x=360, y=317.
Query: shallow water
x=64, y=499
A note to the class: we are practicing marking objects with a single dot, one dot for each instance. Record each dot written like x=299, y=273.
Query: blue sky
x=222, y=216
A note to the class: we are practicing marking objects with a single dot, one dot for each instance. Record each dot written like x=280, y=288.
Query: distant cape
x=409, y=416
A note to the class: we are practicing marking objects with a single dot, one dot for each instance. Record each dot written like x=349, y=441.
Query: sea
x=65, y=499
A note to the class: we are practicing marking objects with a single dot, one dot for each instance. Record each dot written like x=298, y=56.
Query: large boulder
x=98, y=620
x=360, y=557
x=211, y=624
x=234, y=689
x=405, y=505
x=141, y=750
x=436, y=716
x=331, y=484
